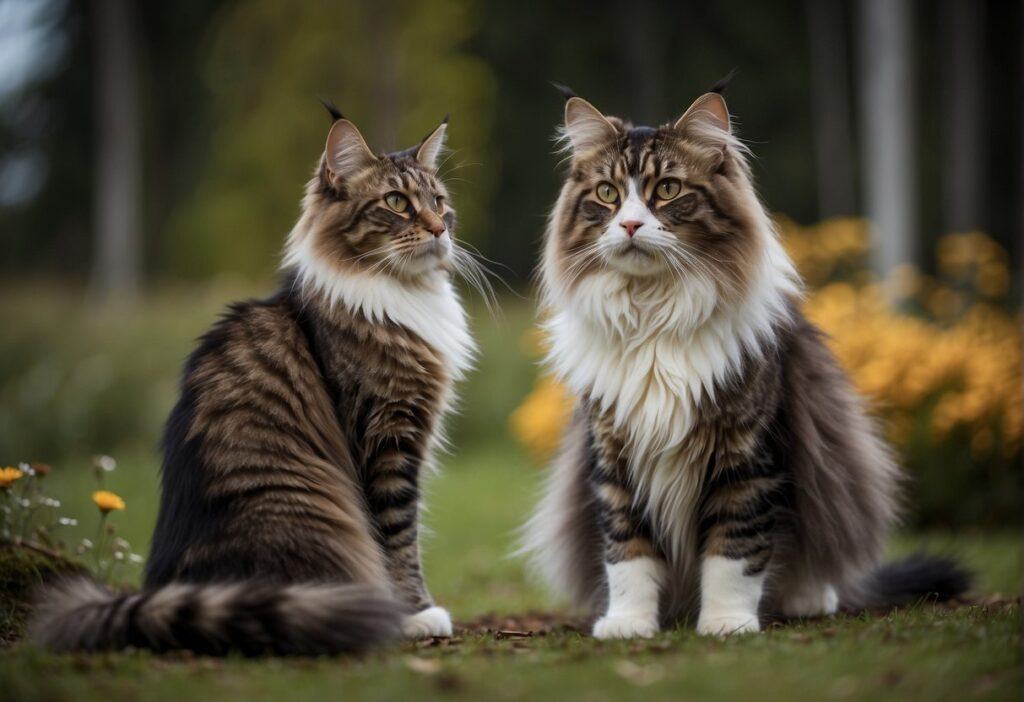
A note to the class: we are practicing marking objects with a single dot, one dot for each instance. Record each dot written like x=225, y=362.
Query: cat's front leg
x=636, y=572
x=739, y=521
x=634, y=587
x=406, y=574
x=393, y=495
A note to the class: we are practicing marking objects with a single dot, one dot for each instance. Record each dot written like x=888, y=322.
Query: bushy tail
x=254, y=619
x=918, y=577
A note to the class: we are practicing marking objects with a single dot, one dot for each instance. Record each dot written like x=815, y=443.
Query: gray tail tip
x=921, y=576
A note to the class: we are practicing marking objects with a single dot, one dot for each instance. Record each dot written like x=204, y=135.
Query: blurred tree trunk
x=385, y=84
x=643, y=48
x=830, y=93
x=887, y=96
x=961, y=23
x=117, y=254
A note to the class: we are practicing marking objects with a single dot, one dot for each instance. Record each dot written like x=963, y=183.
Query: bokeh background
x=152, y=156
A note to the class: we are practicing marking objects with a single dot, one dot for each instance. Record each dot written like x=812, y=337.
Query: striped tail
x=253, y=619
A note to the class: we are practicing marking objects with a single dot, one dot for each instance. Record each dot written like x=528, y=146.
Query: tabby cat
x=292, y=462
x=719, y=466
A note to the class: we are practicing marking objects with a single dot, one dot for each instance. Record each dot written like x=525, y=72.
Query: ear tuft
x=723, y=83
x=564, y=90
x=347, y=152
x=585, y=127
x=332, y=109
x=431, y=147
x=707, y=111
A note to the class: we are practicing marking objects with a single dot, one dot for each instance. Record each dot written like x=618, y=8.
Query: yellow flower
x=8, y=475
x=539, y=421
x=107, y=501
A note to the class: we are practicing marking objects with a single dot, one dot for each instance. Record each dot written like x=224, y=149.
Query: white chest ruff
x=430, y=308
x=650, y=356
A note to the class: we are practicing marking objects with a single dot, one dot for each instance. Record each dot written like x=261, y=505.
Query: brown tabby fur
x=289, y=520
x=788, y=474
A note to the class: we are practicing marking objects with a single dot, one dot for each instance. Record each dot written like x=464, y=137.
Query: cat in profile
x=289, y=517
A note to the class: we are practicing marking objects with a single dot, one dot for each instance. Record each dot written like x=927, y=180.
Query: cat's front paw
x=727, y=624
x=626, y=626
x=433, y=621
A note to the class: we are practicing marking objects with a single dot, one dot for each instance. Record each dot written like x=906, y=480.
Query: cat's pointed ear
x=709, y=110
x=585, y=127
x=432, y=146
x=347, y=152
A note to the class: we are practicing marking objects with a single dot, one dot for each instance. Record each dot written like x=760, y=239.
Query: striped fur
x=299, y=619
x=294, y=458
x=723, y=451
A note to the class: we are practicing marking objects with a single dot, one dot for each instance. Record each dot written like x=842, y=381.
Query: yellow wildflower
x=107, y=501
x=8, y=475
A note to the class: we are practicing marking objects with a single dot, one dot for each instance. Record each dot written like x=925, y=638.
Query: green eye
x=668, y=189
x=397, y=201
x=606, y=192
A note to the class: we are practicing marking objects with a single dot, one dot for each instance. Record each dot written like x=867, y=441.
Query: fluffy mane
x=429, y=305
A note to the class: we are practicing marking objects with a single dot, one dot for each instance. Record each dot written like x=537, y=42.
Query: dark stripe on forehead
x=638, y=144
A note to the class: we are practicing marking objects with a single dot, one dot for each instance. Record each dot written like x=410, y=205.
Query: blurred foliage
x=232, y=127
x=943, y=371
x=394, y=67
x=75, y=380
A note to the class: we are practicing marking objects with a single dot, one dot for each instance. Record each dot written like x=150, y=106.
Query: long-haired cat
x=289, y=519
x=719, y=463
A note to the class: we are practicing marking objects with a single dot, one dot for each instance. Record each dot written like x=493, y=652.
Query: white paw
x=819, y=601
x=727, y=624
x=433, y=621
x=626, y=626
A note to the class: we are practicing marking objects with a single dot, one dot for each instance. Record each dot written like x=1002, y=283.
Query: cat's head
x=386, y=214
x=672, y=203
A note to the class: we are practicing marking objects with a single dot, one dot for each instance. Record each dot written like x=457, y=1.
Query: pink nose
x=631, y=226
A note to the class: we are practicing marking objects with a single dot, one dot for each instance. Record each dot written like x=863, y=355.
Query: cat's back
x=252, y=453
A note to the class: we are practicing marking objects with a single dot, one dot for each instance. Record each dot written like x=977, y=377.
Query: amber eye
x=606, y=192
x=668, y=189
x=397, y=201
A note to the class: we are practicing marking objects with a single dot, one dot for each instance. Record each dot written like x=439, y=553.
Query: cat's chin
x=426, y=262
x=636, y=260
x=635, y=264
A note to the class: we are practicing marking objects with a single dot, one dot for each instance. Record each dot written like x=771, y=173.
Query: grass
x=925, y=652
x=53, y=407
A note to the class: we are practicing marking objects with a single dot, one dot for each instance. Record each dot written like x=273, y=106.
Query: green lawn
x=927, y=653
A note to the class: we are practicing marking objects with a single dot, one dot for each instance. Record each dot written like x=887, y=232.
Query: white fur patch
x=728, y=598
x=651, y=349
x=427, y=306
x=811, y=599
x=433, y=621
x=634, y=588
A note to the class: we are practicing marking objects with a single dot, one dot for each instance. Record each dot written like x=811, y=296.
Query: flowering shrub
x=30, y=518
x=942, y=369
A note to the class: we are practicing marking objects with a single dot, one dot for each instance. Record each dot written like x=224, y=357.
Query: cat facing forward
x=289, y=518
x=718, y=466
